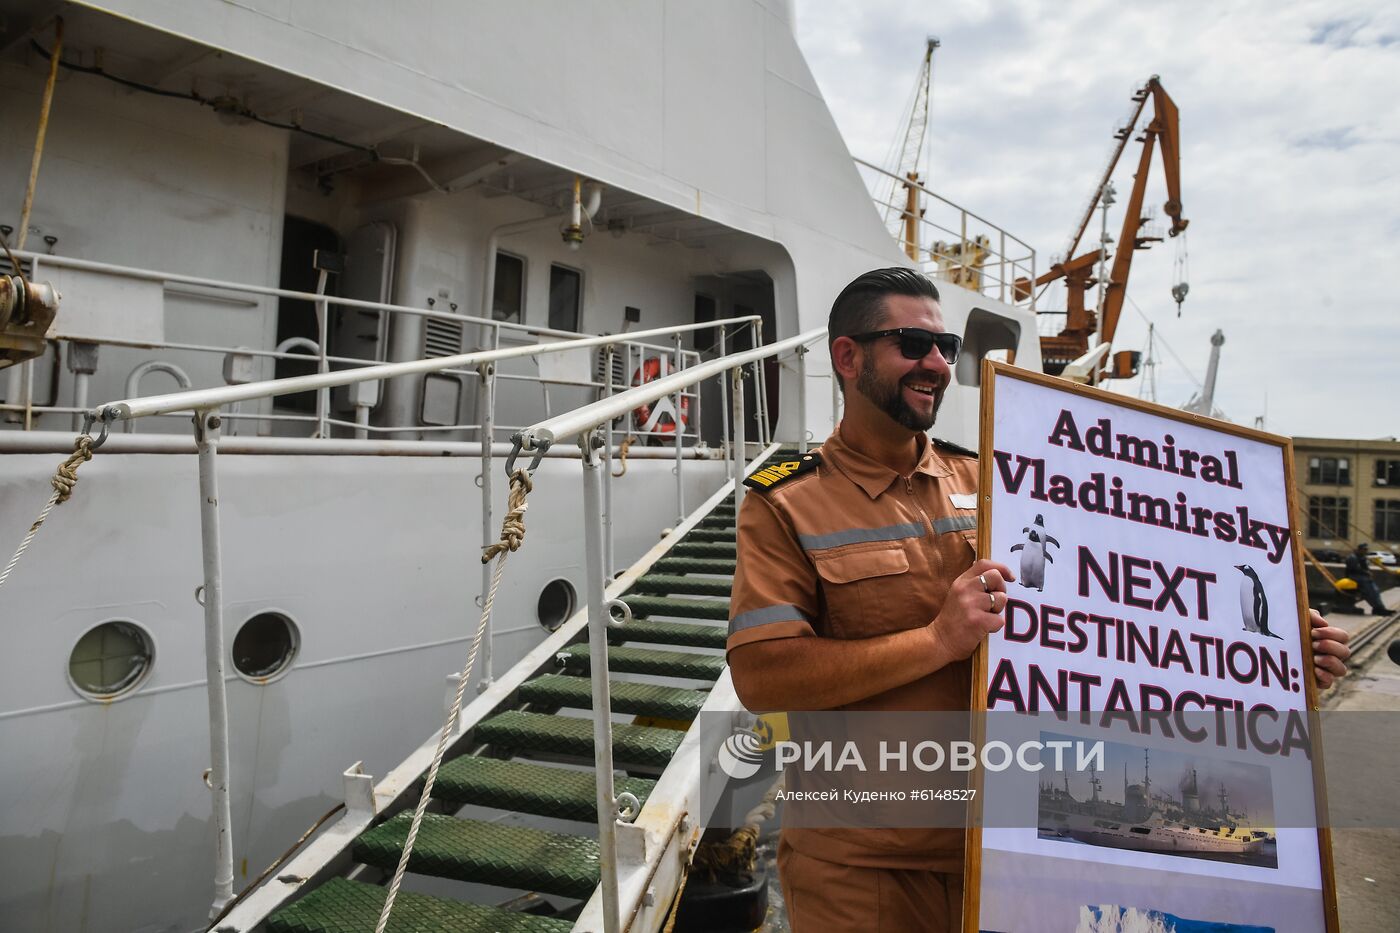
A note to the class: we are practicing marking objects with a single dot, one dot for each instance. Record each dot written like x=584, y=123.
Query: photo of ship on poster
x=1220, y=811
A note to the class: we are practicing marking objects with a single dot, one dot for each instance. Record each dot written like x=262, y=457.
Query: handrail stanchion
x=760, y=388
x=608, y=353
x=486, y=418
x=206, y=435
x=1001, y=269
x=679, y=423
x=724, y=398
x=835, y=399
x=599, y=616
x=801, y=352
x=736, y=399
x=323, y=395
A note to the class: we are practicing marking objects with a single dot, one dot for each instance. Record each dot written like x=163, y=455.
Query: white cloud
x=1290, y=127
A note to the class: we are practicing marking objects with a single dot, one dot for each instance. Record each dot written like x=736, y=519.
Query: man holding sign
x=858, y=588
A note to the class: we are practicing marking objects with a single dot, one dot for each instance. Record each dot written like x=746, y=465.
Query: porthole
x=265, y=647
x=111, y=660
x=556, y=604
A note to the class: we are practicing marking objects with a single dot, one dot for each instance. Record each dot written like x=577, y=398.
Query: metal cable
x=512, y=534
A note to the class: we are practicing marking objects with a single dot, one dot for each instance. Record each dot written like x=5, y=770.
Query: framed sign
x=1156, y=654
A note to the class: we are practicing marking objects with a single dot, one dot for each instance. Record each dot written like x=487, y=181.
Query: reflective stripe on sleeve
x=747, y=620
x=862, y=536
x=954, y=523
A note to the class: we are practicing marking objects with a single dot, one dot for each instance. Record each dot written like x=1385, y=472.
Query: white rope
x=24, y=545
x=63, y=481
x=512, y=533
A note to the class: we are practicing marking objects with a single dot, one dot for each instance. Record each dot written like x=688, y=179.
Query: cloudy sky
x=1290, y=125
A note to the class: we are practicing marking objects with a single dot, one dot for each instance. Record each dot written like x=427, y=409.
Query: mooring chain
x=63, y=481
x=512, y=534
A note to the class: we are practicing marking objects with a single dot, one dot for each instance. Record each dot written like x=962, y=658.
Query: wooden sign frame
x=992, y=371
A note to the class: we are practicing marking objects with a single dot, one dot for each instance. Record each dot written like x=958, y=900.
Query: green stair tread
x=344, y=906
x=570, y=735
x=527, y=788
x=709, y=565
x=678, y=607
x=711, y=535
x=665, y=584
x=705, y=549
x=489, y=853
x=690, y=634
x=625, y=696
x=650, y=661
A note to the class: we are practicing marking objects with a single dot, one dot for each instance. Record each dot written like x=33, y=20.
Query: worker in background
x=858, y=588
x=1358, y=567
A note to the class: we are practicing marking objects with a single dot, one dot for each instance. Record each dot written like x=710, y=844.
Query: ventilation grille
x=619, y=368
x=6, y=268
x=442, y=338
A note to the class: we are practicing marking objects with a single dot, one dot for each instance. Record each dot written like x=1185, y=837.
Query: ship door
x=359, y=333
x=296, y=317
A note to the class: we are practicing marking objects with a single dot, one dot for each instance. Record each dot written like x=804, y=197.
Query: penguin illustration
x=1034, y=554
x=1254, y=602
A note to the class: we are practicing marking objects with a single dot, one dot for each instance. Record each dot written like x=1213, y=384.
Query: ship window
x=265, y=647
x=110, y=660
x=556, y=604
x=565, y=298
x=1141, y=830
x=508, y=293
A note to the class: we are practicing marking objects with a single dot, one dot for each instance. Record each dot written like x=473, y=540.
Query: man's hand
x=1330, y=651
x=973, y=608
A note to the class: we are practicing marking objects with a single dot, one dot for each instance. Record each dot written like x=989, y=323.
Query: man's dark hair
x=860, y=308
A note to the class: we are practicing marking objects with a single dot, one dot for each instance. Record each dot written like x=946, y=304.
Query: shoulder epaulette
x=952, y=448
x=783, y=470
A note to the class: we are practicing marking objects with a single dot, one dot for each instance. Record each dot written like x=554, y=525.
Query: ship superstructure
x=228, y=193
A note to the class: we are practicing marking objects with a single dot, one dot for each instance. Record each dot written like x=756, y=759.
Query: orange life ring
x=658, y=417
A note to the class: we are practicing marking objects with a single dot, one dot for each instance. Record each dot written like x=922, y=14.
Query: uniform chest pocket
x=867, y=590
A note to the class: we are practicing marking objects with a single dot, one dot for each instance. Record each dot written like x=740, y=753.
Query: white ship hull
x=726, y=180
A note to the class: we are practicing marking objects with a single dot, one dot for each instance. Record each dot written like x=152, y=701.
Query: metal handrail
x=201, y=399
x=541, y=435
x=151, y=275
x=938, y=197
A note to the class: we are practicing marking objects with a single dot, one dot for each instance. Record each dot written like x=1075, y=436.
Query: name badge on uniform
x=963, y=500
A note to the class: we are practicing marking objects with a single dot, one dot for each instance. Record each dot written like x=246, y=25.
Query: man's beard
x=890, y=399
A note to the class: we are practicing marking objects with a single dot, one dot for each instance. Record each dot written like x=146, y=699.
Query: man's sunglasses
x=915, y=342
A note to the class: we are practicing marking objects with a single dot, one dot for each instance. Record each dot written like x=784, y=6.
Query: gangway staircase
x=533, y=757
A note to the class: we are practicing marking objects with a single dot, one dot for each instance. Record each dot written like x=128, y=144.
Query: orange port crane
x=1080, y=273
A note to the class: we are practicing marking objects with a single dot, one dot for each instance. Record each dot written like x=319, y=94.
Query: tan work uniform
x=852, y=550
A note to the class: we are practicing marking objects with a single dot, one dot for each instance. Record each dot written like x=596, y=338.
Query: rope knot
x=626, y=446
x=66, y=477
x=513, y=525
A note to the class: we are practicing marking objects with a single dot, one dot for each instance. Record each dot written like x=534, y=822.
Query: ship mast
x=907, y=156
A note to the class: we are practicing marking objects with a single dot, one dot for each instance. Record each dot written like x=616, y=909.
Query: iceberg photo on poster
x=1111, y=919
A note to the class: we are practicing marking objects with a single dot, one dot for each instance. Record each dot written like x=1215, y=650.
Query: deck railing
x=207, y=406
x=950, y=242
x=588, y=426
x=632, y=351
